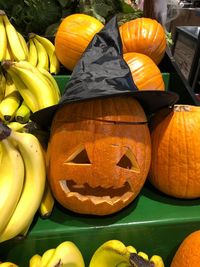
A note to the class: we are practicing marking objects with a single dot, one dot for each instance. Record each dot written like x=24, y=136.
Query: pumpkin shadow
x=154, y=194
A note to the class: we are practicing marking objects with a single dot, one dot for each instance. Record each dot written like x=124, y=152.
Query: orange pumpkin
x=146, y=74
x=99, y=154
x=73, y=36
x=144, y=35
x=175, y=165
x=188, y=253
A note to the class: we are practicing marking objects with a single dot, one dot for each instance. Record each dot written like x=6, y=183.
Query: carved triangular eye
x=129, y=161
x=79, y=156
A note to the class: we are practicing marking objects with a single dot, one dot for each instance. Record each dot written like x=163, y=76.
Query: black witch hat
x=102, y=72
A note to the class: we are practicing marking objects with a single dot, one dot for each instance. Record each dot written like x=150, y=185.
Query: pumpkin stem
x=180, y=108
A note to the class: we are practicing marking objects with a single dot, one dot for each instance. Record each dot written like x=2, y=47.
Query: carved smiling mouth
x=97, y=194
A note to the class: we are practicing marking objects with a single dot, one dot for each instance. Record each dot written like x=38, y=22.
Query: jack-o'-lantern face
x=98, y=155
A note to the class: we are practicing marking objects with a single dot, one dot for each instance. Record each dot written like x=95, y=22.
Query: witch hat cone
x=102, y=72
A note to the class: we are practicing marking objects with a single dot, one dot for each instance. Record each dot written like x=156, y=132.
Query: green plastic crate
x=63, y=79
x=153, y=223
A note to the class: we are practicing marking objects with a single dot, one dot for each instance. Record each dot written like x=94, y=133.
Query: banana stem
x=138, y=261
x=6, y=64
x=5, y=131
x=2, y=13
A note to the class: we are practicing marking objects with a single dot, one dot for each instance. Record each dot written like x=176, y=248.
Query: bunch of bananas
x=114, y=253
x=65, y=254
x=12, y=44
x=26, y=80
x=42, y=53
x=34, y=88
x=39, y=51
x=23, y=185
x=12, y=106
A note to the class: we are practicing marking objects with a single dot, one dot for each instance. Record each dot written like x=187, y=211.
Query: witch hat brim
x=102, y=72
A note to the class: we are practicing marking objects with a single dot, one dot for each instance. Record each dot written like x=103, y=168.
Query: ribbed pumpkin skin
x=93, y=126
x=144, y=35
x=175, y=164
x=146, y=74
x=73, y=36
x=188, y=253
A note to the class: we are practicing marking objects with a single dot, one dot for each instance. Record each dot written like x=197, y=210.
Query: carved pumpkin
x=175, y=165
x=99, y=154
x=73, y=36
x=145, y=36
x=146, y=75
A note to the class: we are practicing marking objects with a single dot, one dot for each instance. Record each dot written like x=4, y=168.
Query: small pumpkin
x=144, y=35
x=146, y=74
x=73, y=36
x=99, y=154
x=188, y=252
x=175, y=164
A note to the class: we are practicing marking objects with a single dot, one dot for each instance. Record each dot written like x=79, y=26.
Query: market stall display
x=95, y=204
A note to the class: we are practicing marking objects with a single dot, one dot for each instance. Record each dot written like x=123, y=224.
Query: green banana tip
x=5, y=131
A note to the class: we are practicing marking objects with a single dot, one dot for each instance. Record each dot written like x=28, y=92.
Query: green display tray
x=153, y=223
x=63, y=79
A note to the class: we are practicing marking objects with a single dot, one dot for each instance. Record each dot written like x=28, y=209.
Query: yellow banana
x=2, y=86
x=50, y=48
x=46, y=256
x=8, y=264
x=44, y=75
x=157, y=260
x=37, y=85
x=138, y=260
x=35, y=261
x=33, y=58
x=35, y=176
x=23, y=113
x=8, y=55
x=50, y=79
x=123, y=264
x=22, y=235
x=23, y=44
x=13, y=40
x=43, y=60
x=11, y=173
x=24, y=91
x=54, y=64
x=16, y=126
x=47, y=203
x=114, y=253
x=110, y=254
x=48, y=45
x=66, y=254
x=3, y=39
x=131, y=249
x=143, y=255
x=142, y=259
x=10, y=102
x=10, y=86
